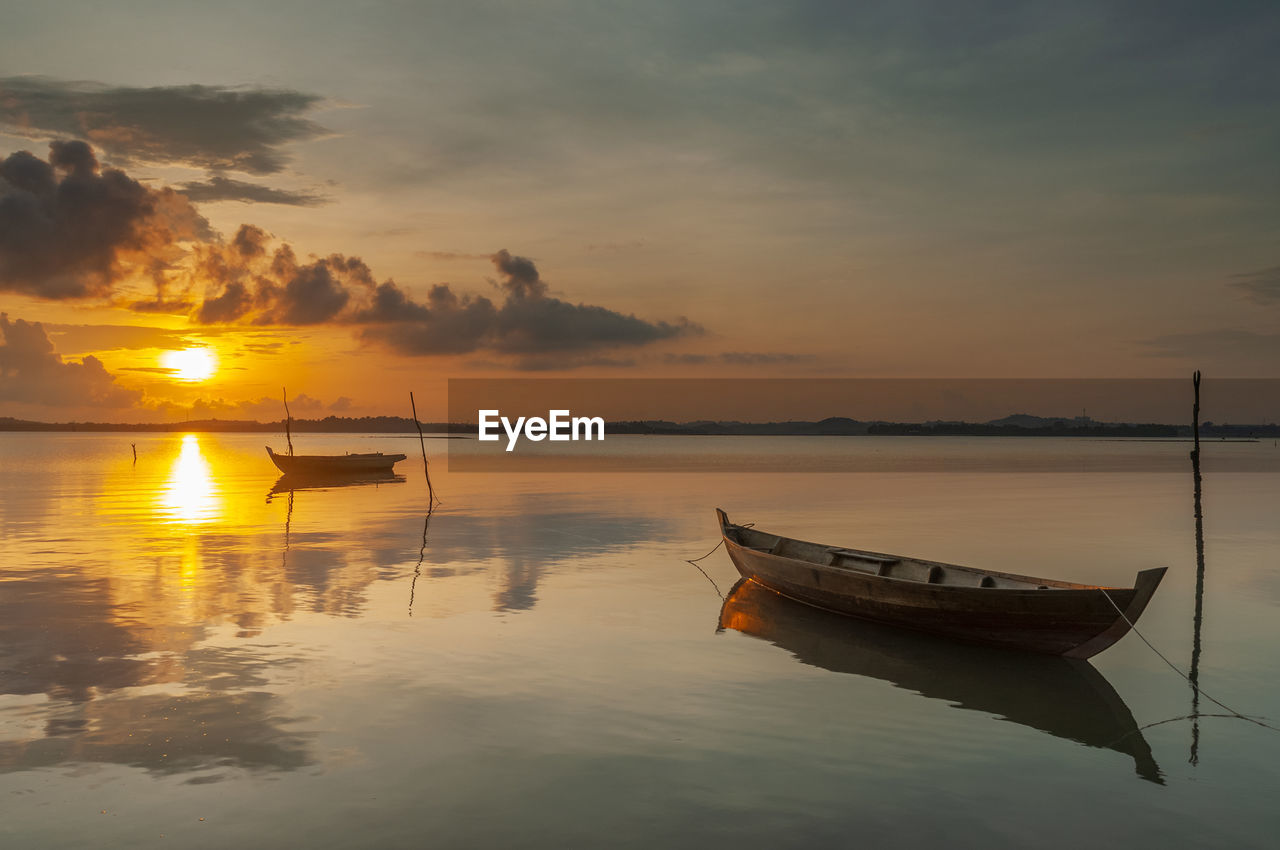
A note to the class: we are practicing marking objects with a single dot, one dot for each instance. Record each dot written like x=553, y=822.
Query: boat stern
x=723, y=519
x=1144, y=587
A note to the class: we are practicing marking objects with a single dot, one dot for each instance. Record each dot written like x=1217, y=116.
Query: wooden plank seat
x=876, y=563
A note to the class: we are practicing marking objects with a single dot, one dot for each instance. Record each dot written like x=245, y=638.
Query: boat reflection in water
x=1065, y=697
x=292, y=481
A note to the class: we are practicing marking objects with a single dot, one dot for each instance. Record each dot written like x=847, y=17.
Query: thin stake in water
x=287, y=418
x=426, y=467
x=1195, y=414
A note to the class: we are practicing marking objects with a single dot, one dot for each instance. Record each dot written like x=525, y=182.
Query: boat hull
x=1056, y=618
x=333, y=464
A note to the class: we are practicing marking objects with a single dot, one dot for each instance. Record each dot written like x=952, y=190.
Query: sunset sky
x=357, y=200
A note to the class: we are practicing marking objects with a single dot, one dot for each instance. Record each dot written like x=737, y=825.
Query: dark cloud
x=314, y=293
x=227, y=277
x=75, y=231
x=528, y=323
x=533, y=325
x=31, y=372
x=71, y=230
x=250, y=241
x=232, y=303
x=219, y=188
x=213, y=127
x=446, y=324
x=247, y=283
x=1262, y=286
x=162, y=304
x=520, y=278
x=392, y=304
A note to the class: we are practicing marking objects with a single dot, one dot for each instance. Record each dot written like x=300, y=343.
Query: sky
x=356, y=200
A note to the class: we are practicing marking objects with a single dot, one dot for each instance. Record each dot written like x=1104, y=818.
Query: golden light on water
x=190, y=495
x=191, y=364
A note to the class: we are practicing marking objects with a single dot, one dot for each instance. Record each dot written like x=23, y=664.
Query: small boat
x=333, y=464
x=980, y=606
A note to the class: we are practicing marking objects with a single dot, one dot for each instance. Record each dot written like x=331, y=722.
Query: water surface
x=191, y=654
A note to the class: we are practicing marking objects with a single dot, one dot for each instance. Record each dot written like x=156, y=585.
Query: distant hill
x=1055, y=428
x=1026, y=420
x=836, y=426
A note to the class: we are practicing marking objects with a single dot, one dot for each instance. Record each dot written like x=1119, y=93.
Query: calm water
x=188, y=659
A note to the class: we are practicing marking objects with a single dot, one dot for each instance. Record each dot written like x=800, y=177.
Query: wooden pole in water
x=287, y=417
x=1195, y=414
x=134, y=446
x=431, y=493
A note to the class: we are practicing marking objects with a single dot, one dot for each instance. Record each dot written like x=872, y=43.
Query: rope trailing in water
x=694, y=562
x=1176, y=669
x=714, y=586
x=717, y=546
x=708, y=555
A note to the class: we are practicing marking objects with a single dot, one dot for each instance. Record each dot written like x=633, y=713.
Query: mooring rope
x=1176, y=669
x=717, y=546
x=708, y=555
x=695, y=561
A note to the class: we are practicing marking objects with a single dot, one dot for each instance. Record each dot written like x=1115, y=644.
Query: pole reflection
x=1198, y=621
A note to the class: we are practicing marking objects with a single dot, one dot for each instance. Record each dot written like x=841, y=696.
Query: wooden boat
x=981, y=606
x=1064, y=697
x=333, y=464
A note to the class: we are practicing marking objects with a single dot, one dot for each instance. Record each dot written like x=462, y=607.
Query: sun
x=191, y=364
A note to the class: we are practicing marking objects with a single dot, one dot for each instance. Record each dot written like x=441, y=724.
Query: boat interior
x=399, y=457
x=887, y=566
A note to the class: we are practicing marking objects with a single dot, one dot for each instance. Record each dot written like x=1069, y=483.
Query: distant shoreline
x=1020, y=425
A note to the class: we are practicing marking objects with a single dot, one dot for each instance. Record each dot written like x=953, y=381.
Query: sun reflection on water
x=190, y=496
